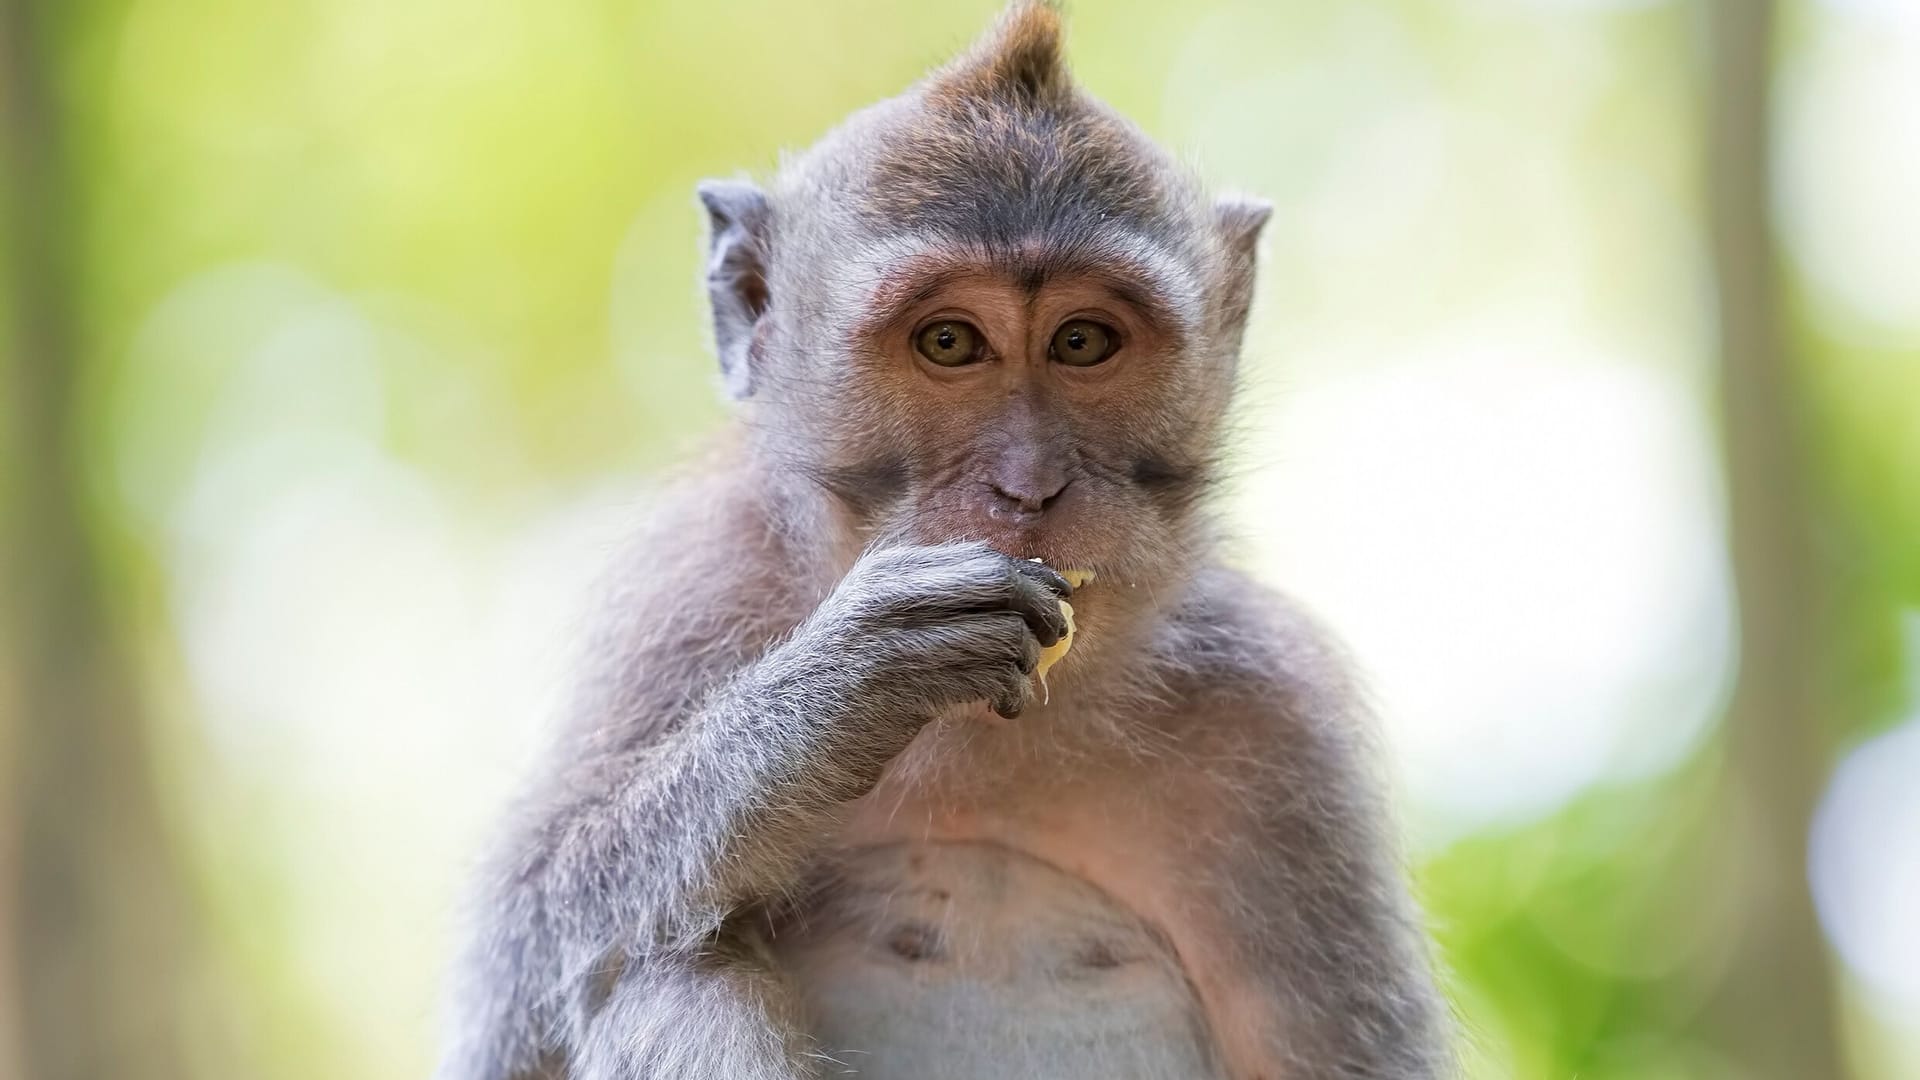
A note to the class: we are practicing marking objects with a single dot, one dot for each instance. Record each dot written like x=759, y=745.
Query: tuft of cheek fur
x=868, y=490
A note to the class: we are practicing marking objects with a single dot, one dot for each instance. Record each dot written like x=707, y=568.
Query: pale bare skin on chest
x=983, y=929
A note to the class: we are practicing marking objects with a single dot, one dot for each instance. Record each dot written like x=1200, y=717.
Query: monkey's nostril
x=1029, y=501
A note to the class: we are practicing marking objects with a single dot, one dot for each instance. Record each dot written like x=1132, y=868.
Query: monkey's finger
x=1009, y=689
x=1045, y=575
x=1029, y=654
x=1013, y=699
x=950, y=578
x=1040, y=607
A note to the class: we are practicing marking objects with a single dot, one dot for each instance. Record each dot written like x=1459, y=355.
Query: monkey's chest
x=955, y=961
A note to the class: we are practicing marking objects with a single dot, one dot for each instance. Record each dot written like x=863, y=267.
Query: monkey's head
x=990, y=308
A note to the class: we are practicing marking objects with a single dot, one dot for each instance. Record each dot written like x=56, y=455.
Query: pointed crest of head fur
x=1018, y=60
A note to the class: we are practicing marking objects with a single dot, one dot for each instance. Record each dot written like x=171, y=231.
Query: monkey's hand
x=912, y=631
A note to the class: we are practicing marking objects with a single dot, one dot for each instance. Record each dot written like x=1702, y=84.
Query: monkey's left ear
x=1237, y=220
x=737, y=218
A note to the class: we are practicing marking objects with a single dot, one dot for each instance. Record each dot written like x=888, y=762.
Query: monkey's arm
x=635, y=857
x=1326, y=960
x=1311, y=955
x=634, y=852
x=625, y=876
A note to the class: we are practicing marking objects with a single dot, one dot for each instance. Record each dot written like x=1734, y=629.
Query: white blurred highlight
x=1850, y=161
x=1865, y=857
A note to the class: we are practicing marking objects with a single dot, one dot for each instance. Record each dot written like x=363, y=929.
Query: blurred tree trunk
x=1774, y=1013
x=92, y=899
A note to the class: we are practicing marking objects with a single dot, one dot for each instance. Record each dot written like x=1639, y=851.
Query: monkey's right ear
x=737, y=218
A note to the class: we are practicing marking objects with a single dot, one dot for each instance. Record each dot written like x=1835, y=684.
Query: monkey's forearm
x=651, y=849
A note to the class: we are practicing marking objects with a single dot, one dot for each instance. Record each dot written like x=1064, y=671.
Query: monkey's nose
x=1028, y=499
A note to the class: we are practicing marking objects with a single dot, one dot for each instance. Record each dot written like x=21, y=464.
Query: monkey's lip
x=1037, y=545
x=1057, y=563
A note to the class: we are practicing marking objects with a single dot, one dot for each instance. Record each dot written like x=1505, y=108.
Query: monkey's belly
x=957, y=961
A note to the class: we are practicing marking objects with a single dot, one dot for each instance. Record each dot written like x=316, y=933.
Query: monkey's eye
x=949, y=343
x=1084, y=343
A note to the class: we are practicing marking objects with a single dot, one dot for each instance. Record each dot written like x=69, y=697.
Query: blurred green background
x=1583, y=397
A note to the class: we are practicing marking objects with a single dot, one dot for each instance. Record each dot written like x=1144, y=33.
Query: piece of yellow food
x=1053, y=653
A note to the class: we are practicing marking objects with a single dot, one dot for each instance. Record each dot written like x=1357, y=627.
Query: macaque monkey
x=814, y=814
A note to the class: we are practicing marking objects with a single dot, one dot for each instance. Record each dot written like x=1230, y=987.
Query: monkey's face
x=1056, y=406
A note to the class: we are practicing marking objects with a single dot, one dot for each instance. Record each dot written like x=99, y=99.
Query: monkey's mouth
x=1055, y=539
